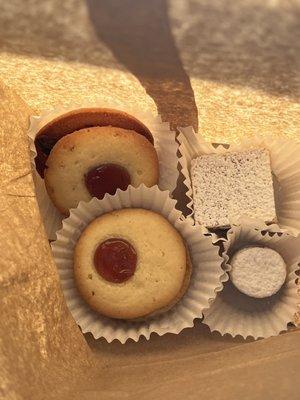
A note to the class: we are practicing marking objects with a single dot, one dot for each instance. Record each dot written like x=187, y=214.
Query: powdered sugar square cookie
x=228, y=186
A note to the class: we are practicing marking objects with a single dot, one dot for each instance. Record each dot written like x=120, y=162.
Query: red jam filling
x=106, y=178
x=115, y=260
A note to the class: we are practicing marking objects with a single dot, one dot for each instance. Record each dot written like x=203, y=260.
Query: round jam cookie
x=131, y=264
x=257, y=271
x=82, y=118
x=95, y=161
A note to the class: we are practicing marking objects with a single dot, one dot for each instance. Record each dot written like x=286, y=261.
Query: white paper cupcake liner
x=237, y=314
x=164, y=142
x=285, y=165
x=206, y=280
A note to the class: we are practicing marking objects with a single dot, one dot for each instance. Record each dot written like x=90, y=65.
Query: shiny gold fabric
x=227, y=68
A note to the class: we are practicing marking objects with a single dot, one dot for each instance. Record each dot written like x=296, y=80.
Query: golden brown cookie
x=131, y=264
x=94, y=161
x=78, y=119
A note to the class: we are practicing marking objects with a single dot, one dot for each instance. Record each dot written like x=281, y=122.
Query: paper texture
x=38, y=337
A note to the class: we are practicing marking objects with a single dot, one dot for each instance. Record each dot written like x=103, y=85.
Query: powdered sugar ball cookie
x=257, y=271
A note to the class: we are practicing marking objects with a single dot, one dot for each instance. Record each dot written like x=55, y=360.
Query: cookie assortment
x=247, y=194
x=131, y=265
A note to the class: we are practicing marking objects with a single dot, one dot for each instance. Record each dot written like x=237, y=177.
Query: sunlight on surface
x=47, y=72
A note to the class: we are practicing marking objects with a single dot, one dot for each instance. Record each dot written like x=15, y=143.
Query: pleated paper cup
x=207, y=273
x=164, y=142
x=285, y=165
x=235, y=313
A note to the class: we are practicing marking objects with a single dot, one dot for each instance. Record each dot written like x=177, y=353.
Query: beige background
x=227, y=68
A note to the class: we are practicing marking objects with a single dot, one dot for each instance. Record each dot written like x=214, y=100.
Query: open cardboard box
x=43, y=354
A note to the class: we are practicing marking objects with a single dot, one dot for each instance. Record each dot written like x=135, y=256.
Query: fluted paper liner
x=206, y=280
x=285, y=165
x=237, y=314
x=164, y=142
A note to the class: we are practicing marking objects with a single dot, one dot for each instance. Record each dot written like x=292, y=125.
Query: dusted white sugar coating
x=258, y=271
x=228, y=186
